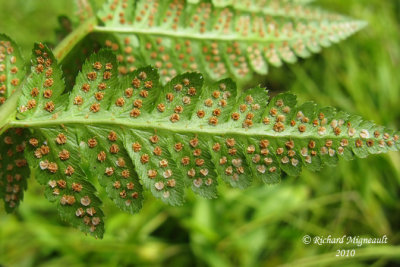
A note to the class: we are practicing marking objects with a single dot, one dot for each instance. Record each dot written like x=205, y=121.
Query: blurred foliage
x=260, y=226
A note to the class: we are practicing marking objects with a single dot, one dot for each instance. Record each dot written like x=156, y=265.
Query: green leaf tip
x=218, y=38
x=133, y=133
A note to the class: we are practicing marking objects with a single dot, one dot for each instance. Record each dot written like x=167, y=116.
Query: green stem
x=233, y=37
x=66, y=45
x=9, y=110
x=149, y=125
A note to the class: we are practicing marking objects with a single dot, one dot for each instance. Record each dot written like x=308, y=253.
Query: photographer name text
x=348, y=240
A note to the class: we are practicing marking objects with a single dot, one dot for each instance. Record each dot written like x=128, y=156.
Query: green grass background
x=260, y=226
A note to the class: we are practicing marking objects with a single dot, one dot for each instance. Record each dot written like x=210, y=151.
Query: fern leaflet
x=133, y=133
x=14, y=171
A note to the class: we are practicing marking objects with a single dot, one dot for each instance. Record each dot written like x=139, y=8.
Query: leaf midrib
x=175, y=128
x=200, y=37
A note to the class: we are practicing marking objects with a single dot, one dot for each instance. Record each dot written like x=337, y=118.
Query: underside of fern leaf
x=14, y=171
x=132, y=134
x=220, y=38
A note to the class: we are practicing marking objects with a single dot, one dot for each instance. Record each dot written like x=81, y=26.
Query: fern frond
x=132, y=131
x=220, y=39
